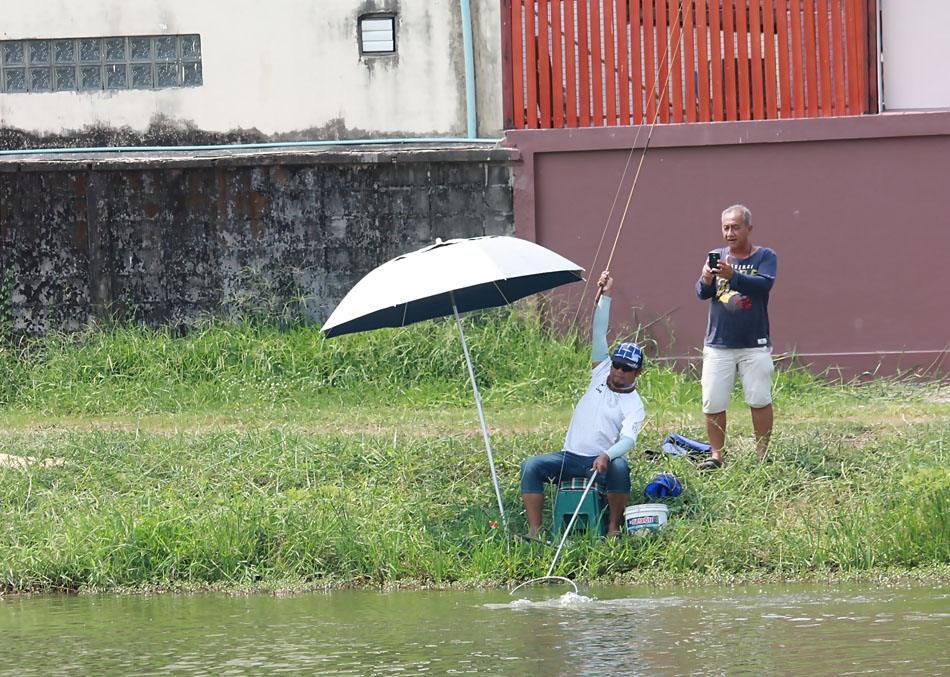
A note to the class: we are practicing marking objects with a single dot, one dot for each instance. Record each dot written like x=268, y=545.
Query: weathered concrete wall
x=171, y=239
x=857, y=209
x=283, y=69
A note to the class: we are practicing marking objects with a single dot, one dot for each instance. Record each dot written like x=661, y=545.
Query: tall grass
x=220, y=365
x=139, y=369
x=241, y=508
x=858, y=478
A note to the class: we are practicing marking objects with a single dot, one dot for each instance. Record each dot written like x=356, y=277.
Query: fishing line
x=547, y=579
x=656, y=117
x=623, y=176
x=681, y=19
x=659, y=103
x=603, y=234
x=567, y=532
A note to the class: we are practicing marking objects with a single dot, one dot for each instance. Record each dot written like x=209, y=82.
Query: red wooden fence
x=597, y=63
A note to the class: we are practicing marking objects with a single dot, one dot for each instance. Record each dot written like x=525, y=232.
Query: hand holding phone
x=712, y=260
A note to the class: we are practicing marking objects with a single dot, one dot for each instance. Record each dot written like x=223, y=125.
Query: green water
x=766, y=630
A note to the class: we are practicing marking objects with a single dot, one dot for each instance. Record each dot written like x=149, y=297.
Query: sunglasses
x=621, y=366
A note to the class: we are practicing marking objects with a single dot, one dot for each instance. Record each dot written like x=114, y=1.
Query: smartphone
x=713, y=260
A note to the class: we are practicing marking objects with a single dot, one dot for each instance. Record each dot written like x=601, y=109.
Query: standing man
x=603, y=430
x=738, y=279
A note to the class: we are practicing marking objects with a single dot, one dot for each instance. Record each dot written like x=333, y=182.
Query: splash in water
x=569, y=600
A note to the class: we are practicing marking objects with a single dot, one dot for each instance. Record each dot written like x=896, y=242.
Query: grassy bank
x=251, y=455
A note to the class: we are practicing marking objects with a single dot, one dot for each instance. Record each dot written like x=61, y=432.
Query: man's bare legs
x=617, y=503
x=716, y=432
x=762, y=425
x=533, y=507
x=762, y=418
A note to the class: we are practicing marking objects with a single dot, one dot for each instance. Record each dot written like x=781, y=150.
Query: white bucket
x=649, y=516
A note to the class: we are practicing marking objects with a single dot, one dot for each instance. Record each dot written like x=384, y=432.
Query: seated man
x=603, y=430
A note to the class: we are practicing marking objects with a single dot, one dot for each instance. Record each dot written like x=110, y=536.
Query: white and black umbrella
x=448, y=278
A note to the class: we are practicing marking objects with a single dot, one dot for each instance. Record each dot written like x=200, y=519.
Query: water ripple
x=606, y=630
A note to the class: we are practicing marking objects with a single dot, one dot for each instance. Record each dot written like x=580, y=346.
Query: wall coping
x=171, y=158
x=884, y=125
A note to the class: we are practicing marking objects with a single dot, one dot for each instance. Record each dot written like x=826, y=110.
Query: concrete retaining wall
x=171, y=238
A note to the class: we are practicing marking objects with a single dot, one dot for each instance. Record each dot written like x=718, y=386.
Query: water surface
x=759, y=630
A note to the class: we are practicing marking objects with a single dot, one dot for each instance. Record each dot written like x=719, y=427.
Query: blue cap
x=663, y=485
x=629, y=354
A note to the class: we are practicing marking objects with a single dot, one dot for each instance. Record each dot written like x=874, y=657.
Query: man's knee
x=716, y=395
x=532, y=481
x=618, y=476
x=529, y=465
x=759, y=398
x=619, y=465
x=756, y=374
x=718, y=378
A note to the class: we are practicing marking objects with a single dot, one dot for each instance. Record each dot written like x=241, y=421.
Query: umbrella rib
x=405, y=309
x=507, y=302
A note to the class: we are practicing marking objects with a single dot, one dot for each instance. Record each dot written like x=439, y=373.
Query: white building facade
x=284, y=69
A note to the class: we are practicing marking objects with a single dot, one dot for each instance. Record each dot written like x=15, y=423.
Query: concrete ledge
x=887, y=125
x=332, y=155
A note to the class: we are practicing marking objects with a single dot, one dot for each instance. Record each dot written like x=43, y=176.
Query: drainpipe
x=469, y=68
x=879, y=58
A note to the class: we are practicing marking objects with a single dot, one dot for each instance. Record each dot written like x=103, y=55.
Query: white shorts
x=719, y=376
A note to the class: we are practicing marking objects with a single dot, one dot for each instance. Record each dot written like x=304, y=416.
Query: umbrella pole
x=481, y=414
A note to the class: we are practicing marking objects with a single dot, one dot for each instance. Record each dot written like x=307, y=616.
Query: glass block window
x=98, y=64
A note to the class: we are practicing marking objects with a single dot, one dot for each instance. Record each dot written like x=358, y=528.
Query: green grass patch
x=252, y=455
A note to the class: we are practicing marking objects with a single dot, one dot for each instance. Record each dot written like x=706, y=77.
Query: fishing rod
x=656, y=116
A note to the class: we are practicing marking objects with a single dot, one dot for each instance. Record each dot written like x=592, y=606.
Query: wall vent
x=377, y=34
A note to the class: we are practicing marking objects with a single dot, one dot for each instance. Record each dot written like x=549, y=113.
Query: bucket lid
x=645, y=508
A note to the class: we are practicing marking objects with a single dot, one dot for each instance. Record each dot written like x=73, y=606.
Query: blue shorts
x=563, y=465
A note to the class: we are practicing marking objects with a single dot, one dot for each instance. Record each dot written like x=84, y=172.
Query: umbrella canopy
x=480, y=272
x=448, y=278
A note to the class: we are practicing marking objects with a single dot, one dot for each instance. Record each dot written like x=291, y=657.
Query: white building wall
x=916, y=54
x=283, y=67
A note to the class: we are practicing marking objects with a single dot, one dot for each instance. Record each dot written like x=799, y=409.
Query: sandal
x=710, y=464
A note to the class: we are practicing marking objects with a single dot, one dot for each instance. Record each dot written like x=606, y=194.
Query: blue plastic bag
x=677, y=445
x=663, y=485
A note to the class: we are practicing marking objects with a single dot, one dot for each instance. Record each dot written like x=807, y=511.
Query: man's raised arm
x=599, y=348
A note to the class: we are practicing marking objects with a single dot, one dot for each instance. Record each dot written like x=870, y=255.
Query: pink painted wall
x=858, y=210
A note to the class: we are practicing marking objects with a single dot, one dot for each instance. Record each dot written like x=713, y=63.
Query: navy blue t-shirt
x=739, y=312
